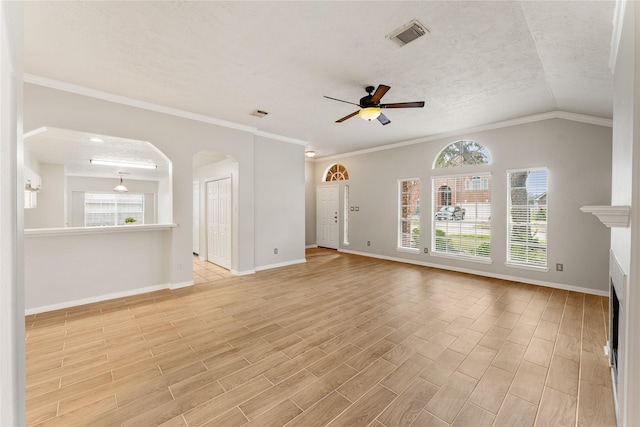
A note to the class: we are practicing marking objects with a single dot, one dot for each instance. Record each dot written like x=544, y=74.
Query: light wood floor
x=342, y=340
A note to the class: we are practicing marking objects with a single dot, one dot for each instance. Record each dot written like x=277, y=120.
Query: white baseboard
x=98, y=298
x=281, y=264
x=181, y=285
x=311, y=246
x=242, y=273
x=484, y=273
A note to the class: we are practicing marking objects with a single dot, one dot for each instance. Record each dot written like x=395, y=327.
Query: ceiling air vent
x=259, y=113
x=408, y=33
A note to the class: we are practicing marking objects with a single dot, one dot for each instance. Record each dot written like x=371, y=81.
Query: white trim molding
x=611, y=216
x=582, y=118
x=484, y=274
x=281, y=264
x=131, y=102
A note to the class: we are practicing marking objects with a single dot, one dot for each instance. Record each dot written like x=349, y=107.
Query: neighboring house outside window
x=462, y=227
x=409, y=214
x=527, y=217
x=106, y=209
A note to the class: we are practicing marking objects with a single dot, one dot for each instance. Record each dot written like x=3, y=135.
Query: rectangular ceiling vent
x=259, y=113
x=408, y=33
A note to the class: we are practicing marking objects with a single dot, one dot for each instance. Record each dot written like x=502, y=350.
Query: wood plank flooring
x=341, y=340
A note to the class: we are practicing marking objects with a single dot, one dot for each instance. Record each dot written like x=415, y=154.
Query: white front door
x=219, y=222
x=327, y=216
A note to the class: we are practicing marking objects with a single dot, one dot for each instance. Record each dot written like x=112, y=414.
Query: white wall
x=63, y=270
x=578, y=157
x=178, y=138
x=12, y=353
x=625, y=242
x=279, y=203
x=50, y=209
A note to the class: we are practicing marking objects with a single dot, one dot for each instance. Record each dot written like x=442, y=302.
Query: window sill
x=408, y=250
x=462, y=258
x=527, y=267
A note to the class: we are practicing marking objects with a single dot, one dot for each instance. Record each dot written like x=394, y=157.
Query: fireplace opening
x=614, y=322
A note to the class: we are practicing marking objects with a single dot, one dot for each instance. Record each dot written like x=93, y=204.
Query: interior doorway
x=327, y=226
x=218, y=222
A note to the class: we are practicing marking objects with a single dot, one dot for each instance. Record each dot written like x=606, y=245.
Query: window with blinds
x=106, y=209
x=462, y=216
x=527, y=217
x=409, y=214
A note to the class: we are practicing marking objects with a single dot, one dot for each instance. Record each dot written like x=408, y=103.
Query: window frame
x=345, y=224
x=402, y=220
x=434, y=191
x=139, y=221
x=509, y=223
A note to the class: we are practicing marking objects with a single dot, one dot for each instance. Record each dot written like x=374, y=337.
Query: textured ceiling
x=482, y=62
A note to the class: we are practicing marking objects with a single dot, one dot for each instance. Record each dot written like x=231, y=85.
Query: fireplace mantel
x=611, y=216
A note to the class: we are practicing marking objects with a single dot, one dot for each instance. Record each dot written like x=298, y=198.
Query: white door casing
x=327, y=225
x=219, y=222
x=196, y=217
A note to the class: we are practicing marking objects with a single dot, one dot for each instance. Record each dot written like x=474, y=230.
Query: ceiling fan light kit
x=370, y=106
x=370, y=113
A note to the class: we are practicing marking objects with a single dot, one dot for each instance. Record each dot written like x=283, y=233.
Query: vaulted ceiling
x=482, y=61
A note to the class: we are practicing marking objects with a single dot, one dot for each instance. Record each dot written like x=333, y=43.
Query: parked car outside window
x=450, y=213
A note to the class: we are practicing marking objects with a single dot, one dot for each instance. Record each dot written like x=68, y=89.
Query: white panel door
x=196, y=217
x=219, y=222
x=327, y=227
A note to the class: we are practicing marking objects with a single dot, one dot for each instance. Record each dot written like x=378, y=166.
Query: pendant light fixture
x=120, y=188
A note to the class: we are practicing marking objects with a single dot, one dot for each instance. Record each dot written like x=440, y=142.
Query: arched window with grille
x=336, y=172
x=462, y=202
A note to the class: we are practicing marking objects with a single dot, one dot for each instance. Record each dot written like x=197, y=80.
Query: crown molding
x=131, y=102
x=598, y=121
x=280, y=138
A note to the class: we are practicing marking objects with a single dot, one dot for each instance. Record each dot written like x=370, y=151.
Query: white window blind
x=527, y=217
x=462, y=216
x=409, y=214
x=105, y=209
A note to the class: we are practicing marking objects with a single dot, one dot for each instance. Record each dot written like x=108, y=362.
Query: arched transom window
x=336, y=172
x=461, y=153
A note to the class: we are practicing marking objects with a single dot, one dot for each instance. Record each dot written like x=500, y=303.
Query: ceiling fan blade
x=379, y=93
x=347, y=117
x=419, y=104
x=336, y=99
x=383, y=119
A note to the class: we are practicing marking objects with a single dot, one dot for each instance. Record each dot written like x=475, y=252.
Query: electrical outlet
x=426, y=250
x=368, y=242
x=559, y=267
x=179, y=266
x=275, y=251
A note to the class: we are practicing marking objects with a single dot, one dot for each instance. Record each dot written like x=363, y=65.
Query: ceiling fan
x=370, y=105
